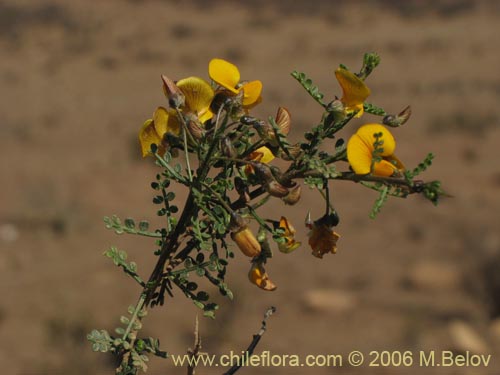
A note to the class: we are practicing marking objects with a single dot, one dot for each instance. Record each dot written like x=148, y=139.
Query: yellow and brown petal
x=258, y=276
x=354, y=91
x=262, y=155
x=323, y=240
x=290, y=243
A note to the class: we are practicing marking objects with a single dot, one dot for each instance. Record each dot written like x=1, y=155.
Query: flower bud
x=400, y=119
x=246, y=241
x=293, y=195
x=172, y=92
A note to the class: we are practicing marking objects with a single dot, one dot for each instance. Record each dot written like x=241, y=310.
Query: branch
x=256, y=338
x=194, y=353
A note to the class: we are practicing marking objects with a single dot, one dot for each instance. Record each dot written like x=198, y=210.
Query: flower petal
x=166, y=121
x=354, y=91
x=323, y=240
x=225, y=74
x=359, y=155
x=199, y=96
x=367, y=132
x=259, y=277
x=262, y=155
x=147, y=137
x=360, y=151
x=251, y=92
x=384, y=168
x=289, y=234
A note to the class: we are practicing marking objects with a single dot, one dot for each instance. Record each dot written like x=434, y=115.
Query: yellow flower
x=322, y=239
x=354, y=91
x=227, y=75
x=360, y=151
x=290, y=243
x=259, y=277
x=198, y=97
x=153, y=130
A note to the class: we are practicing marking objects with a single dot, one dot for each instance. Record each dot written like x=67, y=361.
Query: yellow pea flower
x=360, y=151
x=258, y=276
x=227, y=75
x=153, y=130
x=198, y=96
x=290, y=244
x=354, y=91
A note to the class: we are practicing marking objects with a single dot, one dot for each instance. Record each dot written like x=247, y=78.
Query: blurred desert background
x=78, y=78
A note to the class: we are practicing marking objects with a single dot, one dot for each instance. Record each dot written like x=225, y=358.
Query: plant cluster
x=208, y=142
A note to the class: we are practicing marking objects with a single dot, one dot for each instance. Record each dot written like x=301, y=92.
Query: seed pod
x=293, y=195
x=400, y=119
x=336, y=106
x=263, y=171
x=172, y=92
x=275, y=189
x=246, y=241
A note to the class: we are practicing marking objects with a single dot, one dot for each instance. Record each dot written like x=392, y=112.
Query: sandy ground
x=79, y=78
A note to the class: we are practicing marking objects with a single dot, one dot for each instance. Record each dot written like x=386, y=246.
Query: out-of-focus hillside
x=79, y=78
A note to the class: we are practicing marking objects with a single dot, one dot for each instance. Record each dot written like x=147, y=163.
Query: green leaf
x=143, y=226
x=209, y=314
x=377, y=206
x=202, y=296
x=200, y=272
x=374, y=110
x=307, y=84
